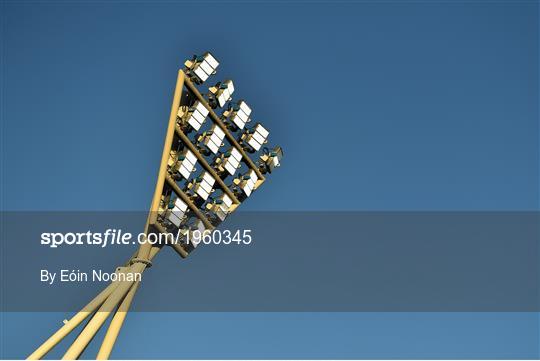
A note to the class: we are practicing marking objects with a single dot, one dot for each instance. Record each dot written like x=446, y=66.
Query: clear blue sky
x=408, y=105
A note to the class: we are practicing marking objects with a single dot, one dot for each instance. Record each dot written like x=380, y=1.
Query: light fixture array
x=224, y=147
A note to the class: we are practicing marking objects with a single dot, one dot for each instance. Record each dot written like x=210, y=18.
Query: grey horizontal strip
x=298, y=261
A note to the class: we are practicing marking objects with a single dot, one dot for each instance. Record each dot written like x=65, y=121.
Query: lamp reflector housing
x=271, y=159
x=204, y=184
x=240, y=113
x=222, y=206
x=247, y=182
x=257, y=137
x=195, y=240
x=214, y=138
x=224, y=92
x=186, y=163
x=195, y=116
x=204, y=66
x=176, y=211
x=231, y=160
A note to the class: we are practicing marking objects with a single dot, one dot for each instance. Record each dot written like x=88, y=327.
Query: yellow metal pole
x=154, y=207
x=116, y=324
x=144, y=250
x=101, y=315
x=122, y=291
x=119, y=317
x=72, y=323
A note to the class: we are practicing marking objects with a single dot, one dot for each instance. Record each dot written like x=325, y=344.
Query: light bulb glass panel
x=231, y=161
x=196, y=239
x=187, y=161
x=258, y=137
x=240, y=114
x=205, y=66
x=248, y=182
x=275, y=162
x=224, y=92
x=211, y=60
x=177, y=212
x=204, y=184
x=201, y=74
x=195, y=116
x=222, y=206
x=214, y=139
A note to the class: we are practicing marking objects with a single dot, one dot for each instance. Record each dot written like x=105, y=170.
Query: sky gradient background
x=390, y=106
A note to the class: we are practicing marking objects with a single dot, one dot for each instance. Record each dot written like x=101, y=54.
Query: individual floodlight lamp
x=254, y=138
x=270, y=159
x=221, y=207
x=203, y=185
x=237, y=115
x=247, y=182
x=186, y=163
x=213, y=139
x=220, y=94
x=176, y=211
x=184, y=203
x=192, y=117
x=229, y=161
x=200, y=68
x=194, y=233
x=172, y=210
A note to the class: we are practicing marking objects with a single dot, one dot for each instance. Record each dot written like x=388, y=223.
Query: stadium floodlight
x=221, y=206
x=237, y=115
x=204, y=184
x=195, y=234
x=220, y=94
x=213, y=139
x=176, y=210
x=255, y=138
x=201, y=67
x=186, y=163
x=229, y=161
x=247, y=182
x=180, y=205
x=193, y=116
x=270, y=160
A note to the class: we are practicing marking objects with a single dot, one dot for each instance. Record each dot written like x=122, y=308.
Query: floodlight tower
x=210, y=164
